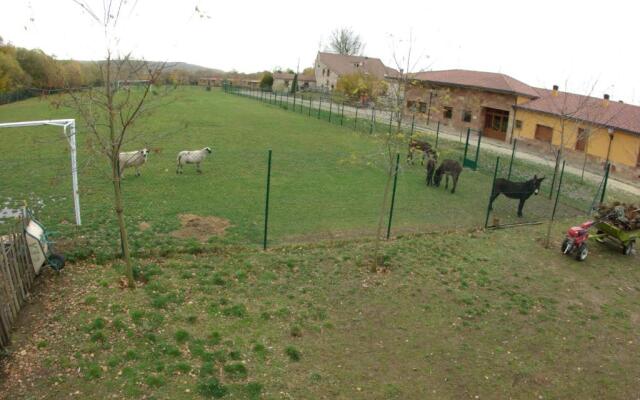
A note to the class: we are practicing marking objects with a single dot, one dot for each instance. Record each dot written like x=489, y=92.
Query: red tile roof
x=476, y=79
x=585, y=108
x=343, y=64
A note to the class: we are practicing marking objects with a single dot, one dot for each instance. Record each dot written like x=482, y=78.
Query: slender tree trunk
x=383, y=212
x=124, y=238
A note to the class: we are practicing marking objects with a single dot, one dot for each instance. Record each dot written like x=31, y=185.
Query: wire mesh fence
x=316, y=191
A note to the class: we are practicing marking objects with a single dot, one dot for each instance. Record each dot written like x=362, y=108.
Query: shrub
x=237, y=310
x=212, y=388
x=181, y=336
x=293, y=353
x=154, y=381
x=235, y=371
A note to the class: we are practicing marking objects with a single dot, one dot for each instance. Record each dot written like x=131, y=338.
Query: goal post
x=69, y=130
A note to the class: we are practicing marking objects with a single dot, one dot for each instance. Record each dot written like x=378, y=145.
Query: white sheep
x=192, y=157
x=133, y=159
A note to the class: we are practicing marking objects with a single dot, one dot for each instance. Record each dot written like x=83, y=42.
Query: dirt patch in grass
x=143, y=226
x=199, y=227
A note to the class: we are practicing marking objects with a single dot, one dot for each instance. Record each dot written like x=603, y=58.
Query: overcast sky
x=574, y=44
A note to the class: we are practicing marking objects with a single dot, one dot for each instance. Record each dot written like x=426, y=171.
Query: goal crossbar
x=69, y=130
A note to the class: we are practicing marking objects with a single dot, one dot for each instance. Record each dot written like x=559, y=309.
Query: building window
x=518, y=124
x=328, y=72
x=466, y=116
x=411, y=104
x=448, y=112
x=423, y=107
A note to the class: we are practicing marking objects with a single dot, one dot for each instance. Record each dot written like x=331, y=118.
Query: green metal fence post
x=319, y=106
x=342, y=114
x=437, y=134
x=373, y=120
x=330, y=108
x=393, y=195
x=266, y=206
x=413, y=125
x=555, y=205
x=466, y=146
x=390, y=121
x=606, y=179
x=310, y=106
x=513, y=153
x=555, y=174
x=294, y=101
x=355, y=122
x=475, y=167
x=495, y=174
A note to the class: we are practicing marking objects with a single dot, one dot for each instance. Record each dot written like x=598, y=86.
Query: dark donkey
x=516, y=190
x=431, y=169
x=449, y=168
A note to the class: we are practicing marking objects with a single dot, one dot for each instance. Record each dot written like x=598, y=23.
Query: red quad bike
x=576, y=241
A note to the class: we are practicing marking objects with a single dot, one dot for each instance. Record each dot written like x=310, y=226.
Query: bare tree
x=395, y=139
x=111, y=111
x=346, y=41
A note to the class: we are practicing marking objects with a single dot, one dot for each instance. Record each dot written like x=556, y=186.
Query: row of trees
x=22, y=68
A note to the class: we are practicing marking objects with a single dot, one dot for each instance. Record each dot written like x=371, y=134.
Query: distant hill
x=189, y=67
x=178, y=65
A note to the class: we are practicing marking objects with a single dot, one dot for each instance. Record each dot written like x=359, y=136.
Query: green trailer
x=611, y=233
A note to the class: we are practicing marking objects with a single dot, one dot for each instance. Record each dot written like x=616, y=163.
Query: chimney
x=606, y=100
x=555, y=90
x=620, y=101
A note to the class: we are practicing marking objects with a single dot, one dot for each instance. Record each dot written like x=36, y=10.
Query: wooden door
x=495, y=123
x=581, y=142
x=638, y=162
x=544, y=133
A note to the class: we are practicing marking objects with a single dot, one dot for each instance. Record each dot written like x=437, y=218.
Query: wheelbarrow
x=41, y=247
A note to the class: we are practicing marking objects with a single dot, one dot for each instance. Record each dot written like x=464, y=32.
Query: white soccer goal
x=69, y=131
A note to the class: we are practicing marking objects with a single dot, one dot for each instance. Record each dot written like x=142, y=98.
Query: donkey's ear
x=541, y=179
x=535, y=177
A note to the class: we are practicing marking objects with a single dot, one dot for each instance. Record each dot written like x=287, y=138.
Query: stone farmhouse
x=329, y=67
x=503, y=108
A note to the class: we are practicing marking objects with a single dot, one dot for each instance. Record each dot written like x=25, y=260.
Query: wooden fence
x=16, y=277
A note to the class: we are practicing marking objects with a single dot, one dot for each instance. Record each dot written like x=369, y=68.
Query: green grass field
x=465, y=314
x=327, y=180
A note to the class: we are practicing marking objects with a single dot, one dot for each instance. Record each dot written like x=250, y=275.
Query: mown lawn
x=327, y=180
x=463, y=315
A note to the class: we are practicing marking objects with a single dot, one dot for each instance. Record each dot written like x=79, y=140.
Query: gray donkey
x=432, y=160
x=449, y=168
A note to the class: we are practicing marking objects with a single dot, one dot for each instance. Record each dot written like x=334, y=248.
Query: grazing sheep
x=133, y=159
x=192, y=157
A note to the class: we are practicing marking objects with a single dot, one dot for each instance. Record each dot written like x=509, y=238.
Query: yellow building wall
x=624, y=148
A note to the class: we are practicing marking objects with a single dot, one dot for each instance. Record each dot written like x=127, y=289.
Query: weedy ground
x=459, y=315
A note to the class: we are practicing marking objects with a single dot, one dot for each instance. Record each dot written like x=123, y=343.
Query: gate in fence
x=471, y=155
